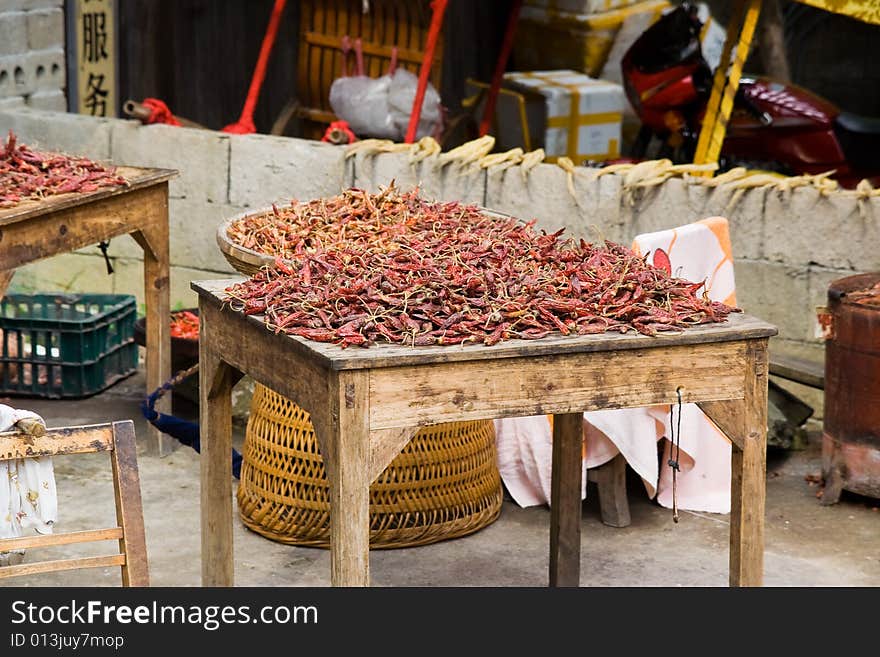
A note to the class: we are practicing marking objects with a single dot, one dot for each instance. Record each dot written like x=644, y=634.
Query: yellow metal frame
x=740, y=31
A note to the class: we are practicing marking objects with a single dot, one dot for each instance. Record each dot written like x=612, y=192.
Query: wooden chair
x=117, y=438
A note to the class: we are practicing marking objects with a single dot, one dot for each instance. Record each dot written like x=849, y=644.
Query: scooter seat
x=864, y=125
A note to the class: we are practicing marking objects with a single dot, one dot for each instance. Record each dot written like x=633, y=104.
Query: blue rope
x=184, y=431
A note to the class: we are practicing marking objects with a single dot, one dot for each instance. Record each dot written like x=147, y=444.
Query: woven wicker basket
x=444, y=484
x=243, y=260
x=249, y=262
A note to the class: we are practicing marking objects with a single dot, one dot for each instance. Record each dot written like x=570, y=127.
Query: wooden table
x=35, y=230
x=366, y=404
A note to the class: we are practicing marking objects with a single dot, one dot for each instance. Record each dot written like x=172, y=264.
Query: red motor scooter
x=780, y=127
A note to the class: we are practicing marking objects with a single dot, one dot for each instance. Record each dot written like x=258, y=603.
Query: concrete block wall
x=787, y=247
x=32, y=64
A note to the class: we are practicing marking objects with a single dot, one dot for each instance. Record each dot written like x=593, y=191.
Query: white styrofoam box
x=575, y=102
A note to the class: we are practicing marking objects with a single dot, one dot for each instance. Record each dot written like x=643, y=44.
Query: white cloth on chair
x=28, y=498
x=697, y=252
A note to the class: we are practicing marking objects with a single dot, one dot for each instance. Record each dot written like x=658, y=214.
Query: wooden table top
x=137, y=178
x=739, y=327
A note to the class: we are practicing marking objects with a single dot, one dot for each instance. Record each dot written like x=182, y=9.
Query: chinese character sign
x=95, y=57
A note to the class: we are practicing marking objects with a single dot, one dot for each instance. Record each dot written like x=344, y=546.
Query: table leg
x=157, y=284
x=5, y=280
x=565, y=500
x=348, y=468
x=749, y=471
x=216, y=379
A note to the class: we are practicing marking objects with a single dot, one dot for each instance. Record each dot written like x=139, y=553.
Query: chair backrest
x=118, y=438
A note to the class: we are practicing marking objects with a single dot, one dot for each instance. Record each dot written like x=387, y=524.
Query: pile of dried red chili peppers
x=363, y=268
x=185, y=324
x=27, y=174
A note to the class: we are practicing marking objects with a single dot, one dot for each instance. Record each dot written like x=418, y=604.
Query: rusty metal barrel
x=851, y=435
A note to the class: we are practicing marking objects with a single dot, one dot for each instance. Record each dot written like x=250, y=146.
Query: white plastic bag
x=380, y=107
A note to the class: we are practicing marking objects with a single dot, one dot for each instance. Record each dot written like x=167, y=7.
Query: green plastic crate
x=66, y=345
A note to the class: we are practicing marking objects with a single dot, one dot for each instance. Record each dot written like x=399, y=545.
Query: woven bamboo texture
x=444, y=484
x=388, y=23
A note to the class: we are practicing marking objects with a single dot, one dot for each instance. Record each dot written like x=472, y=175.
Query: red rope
x=159, y=112
x=245, y=123
x=342, y=127
x=439, y=9
x=500, y=66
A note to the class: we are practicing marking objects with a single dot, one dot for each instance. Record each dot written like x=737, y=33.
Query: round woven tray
x=249, y=262
x=444, y=484
x=243, y=260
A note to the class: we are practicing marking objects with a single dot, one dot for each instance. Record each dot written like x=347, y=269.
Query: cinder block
x=193, y=227
x=436, y=180
x=11, y=103
x=201, y=157
x=37, y=70
x=59, y=131
x=672, y=204
x=543, y=194
x=52, y=101
x=69, y=272
x=745, y=215
x=11, y=66
x=804, y=228
x=349, y=175
x=31, y=4
x=13, y=32
x=778, y=294
x=48, y=69
x=266, y=170
x=45, y=29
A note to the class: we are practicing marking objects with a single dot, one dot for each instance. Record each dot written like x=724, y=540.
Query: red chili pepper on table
x=361, y=269
x=185, y=324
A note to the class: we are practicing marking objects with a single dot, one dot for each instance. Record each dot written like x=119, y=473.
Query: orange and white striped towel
x=698, y=251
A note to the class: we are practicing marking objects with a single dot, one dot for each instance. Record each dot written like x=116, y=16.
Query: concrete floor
x=806, y=544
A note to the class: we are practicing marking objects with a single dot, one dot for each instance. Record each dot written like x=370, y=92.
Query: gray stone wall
x=787, y=246
x=32, y=65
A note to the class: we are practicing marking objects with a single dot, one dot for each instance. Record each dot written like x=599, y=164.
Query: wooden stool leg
x=5, y=280
x=157, y=295
x=565, y=500
x=610, y=478
x=215, y=419
x=749, y=474
x=348, y=469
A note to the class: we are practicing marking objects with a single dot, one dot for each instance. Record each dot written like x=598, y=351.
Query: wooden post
x=348, y=468
x=610, y=479
x=749, y=471
x=5, y=280
x=157, y=288
x=129, y=510
x=215, y=421
x=565, y=500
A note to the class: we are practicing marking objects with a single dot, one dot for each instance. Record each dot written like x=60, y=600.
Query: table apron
x=413, y=396
x=76, y=227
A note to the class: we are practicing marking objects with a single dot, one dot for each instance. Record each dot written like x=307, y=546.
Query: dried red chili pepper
x=26, y=174
x=362, y=268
